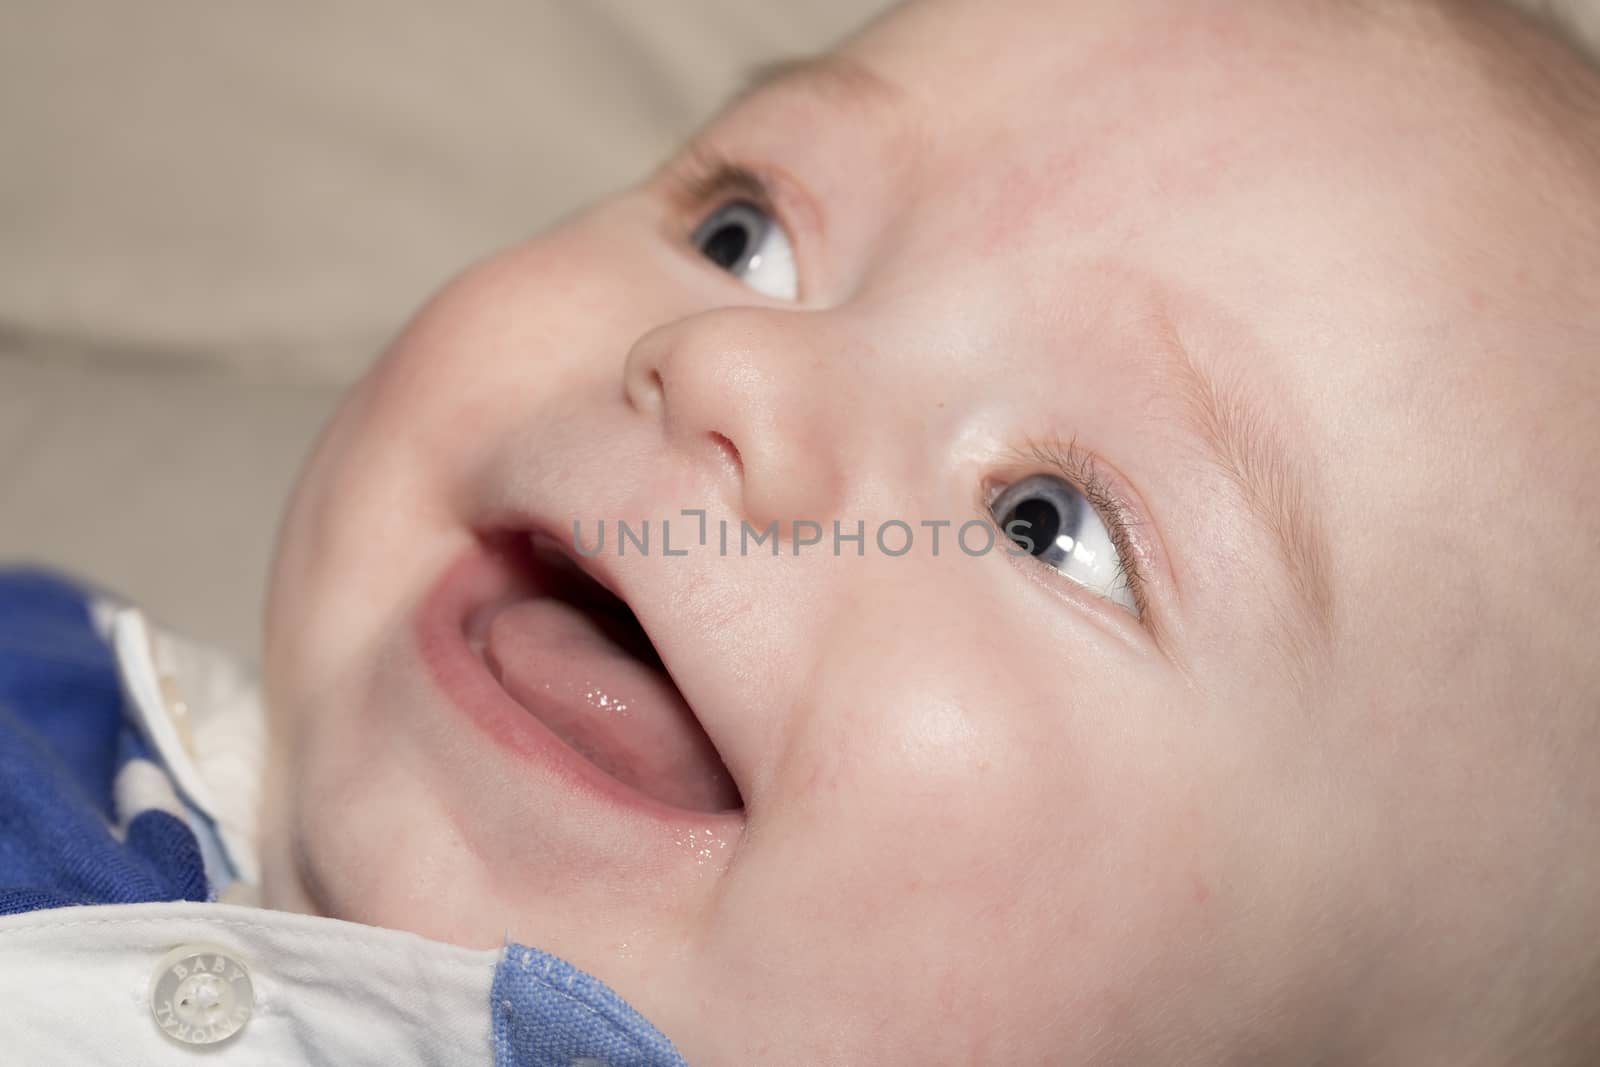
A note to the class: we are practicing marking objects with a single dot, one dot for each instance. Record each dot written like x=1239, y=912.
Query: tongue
x=623, y=715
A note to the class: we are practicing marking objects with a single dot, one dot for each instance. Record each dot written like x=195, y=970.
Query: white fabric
x=201, y=712
x=142, y=786
x=75, y=985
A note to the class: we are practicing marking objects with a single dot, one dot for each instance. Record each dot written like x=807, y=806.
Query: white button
x=201, y=995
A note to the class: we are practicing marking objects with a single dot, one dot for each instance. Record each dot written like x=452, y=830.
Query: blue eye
x=747, y=242
x=1050, y=519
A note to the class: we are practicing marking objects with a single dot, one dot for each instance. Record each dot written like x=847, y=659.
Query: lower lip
x=479, y=577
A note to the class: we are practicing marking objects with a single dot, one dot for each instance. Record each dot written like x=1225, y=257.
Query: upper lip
x=593, y=565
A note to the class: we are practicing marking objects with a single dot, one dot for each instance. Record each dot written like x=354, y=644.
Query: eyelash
x=703, y=178
x=1078, y=468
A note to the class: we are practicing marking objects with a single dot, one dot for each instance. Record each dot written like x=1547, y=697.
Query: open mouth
x=575, y=657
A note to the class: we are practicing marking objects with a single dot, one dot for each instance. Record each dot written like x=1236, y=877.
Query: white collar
x=79, y=982
x=200, y=710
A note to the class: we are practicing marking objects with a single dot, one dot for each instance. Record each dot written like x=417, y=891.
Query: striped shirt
x=130, y=763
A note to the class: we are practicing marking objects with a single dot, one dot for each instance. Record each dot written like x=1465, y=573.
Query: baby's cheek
x=521, y=332
x=1041, y=890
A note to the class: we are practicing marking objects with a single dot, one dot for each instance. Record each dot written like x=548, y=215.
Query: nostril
x=729, y=452
x=644, y=392
x=655, y=392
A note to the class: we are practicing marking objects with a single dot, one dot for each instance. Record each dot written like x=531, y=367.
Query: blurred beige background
x=214, y=212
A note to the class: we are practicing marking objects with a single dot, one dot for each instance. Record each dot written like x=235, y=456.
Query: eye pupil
x=1037, y=519
x=744, y=239
x=727, y=244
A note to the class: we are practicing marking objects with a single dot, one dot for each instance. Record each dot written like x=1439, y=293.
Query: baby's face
x=1276, y=320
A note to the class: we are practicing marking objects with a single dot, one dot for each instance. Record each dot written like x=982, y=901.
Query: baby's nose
x=740, y=389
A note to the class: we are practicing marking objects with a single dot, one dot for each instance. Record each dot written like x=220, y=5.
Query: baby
x=1056, y=534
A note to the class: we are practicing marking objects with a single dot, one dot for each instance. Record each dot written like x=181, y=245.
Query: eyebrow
x=1240, y=437
x=841, y=79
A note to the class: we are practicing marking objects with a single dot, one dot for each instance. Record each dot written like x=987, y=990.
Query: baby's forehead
x=1000, y=128
x=1125, y=69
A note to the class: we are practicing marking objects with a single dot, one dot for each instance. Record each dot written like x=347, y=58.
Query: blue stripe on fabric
x=57, y=850
x=131, y=745
x=220, y=872
x=547, y=1013
x=59, y=677
x=61, y=736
